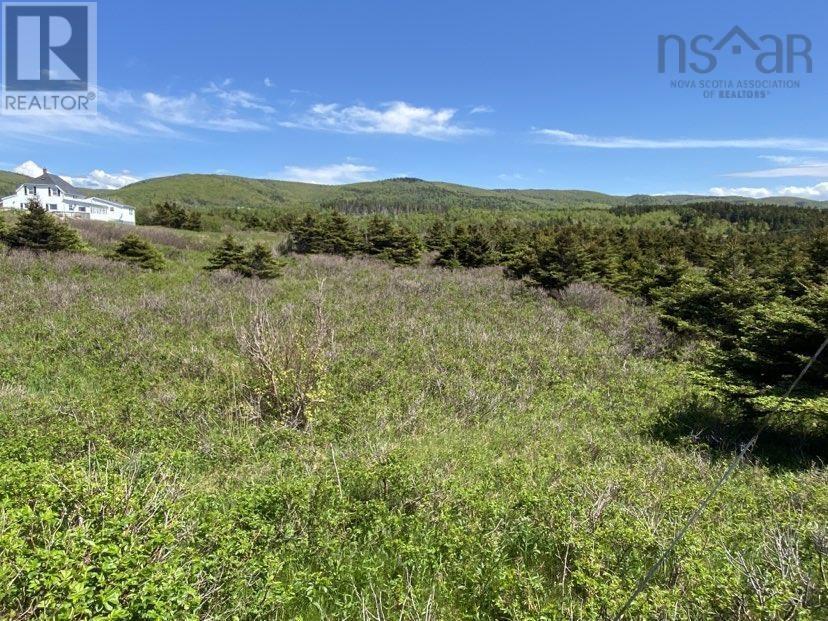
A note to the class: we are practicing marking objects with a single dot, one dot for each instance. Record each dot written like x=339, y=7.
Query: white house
x=61, y=199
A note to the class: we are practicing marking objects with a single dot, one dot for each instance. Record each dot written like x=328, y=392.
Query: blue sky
x=521, y=94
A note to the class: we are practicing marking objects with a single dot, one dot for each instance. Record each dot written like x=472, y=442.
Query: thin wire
x=642, y=584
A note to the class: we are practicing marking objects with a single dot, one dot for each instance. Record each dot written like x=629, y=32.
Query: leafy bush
x=38, y=230
x=138, y=251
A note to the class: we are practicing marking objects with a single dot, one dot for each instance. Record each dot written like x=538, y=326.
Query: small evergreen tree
x=138, y=251
x=176, y=217
x=38, y=230
x=437, y=236
x=260, y=263
x=392, y=242
x=379, y=236
x=468, y=246
x=307, y=235
x=553, y=261
x=228, y=256
x=337, y=234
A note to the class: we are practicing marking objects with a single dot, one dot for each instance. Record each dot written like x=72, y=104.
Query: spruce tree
x=260, y=263
x=38, y=230
x=228, y=256
x=307, y=235
x=437, y=235
x=468, y=246
x=379, y=236
x=337, y=235
x=138, y=251
x=392, y=242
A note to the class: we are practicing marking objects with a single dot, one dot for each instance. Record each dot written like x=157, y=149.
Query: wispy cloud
x=333, y=174
x=815, y=169
x=396, y=117
x=123, y=113
x=815, y=192
x=481, y=110
x=779, y=159
x=561, y=137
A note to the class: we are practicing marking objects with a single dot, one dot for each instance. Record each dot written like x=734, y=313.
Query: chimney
x=45, y=171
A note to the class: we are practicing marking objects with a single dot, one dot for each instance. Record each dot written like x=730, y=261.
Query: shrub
x=332, y=233
x=468, y=246
x=228, y=256
x=176, y=217
x=289, y=356
x=38, y=230
x=392, y=242
x=138, y=251
x=260, y=263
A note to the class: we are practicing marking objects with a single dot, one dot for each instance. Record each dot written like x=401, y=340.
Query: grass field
x=473, y=450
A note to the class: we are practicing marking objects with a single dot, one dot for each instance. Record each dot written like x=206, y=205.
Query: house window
x=81, y=208
x=52, y=206
x=49, y=191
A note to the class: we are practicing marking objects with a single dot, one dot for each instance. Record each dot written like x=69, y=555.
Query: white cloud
x=815, y=192
x=749, y=192
x=269, y=83
x=237, y=98
x=396, y=117
x=558, y=136
x=334, y=174
x=815, y=169
x=779, y=159
x=126, y=113
x=29, y=168
x=100, y=179
x=194, y=111
x=481, y=110
x=96, y=179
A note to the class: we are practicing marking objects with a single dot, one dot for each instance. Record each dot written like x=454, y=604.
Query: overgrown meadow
x=461, y=446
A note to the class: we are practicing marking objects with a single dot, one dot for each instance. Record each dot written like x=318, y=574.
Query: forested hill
x=401, y=195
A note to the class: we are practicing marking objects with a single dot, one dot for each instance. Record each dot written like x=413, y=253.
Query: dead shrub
x=108, y=233
x=289, y=355
x=633, y=328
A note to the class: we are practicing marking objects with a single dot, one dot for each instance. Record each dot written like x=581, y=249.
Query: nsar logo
x=771, y=53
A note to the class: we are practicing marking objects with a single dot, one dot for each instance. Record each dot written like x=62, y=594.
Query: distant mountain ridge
x=208, y=191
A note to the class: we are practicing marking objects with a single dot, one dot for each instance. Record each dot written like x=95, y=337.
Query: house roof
x=48, y=178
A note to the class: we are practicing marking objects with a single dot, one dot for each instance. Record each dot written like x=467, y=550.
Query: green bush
x=138, y=251
x=228, y=256
x=40, y=231
x=259, y=262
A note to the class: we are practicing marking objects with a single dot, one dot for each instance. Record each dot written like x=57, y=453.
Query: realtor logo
x=49, y=57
